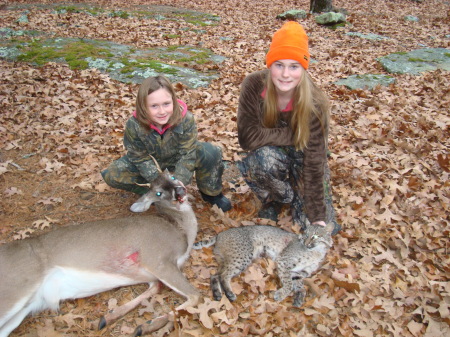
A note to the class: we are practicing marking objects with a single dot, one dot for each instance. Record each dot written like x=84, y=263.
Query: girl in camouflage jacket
x=283, y=122
x=163, y=127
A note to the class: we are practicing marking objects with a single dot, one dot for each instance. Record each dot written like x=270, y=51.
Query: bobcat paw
x=231, y=296
x=216, y=288
x=280, y=295
x=298, y=299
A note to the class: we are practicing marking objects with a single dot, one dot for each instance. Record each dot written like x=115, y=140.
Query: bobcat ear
x=329, y=228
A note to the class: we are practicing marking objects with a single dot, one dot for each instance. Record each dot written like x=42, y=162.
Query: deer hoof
x=137, y=331
x=102, y=323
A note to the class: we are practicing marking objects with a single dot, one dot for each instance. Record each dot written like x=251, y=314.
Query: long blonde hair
x=148, y=86
x=308, y=99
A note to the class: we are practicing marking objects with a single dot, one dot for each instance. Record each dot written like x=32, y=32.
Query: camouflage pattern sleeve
x=137, y=151
x=184, y=168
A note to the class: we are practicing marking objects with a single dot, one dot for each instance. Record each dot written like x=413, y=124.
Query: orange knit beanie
x=290, y=42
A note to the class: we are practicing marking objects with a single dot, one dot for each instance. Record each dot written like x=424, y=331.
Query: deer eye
x=158, y=194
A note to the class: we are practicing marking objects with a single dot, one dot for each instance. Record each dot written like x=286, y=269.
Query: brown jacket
x=252, y=135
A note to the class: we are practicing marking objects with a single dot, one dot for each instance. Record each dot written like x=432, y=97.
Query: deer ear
x=141, y=205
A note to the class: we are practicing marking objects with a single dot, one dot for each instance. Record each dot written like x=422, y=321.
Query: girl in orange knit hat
x=283, y=122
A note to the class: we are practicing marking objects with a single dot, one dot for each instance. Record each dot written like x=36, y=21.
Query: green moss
x=337, y=25
x=198, y=19
x=73, y=53
x=68, y=9
x=38, y=55
x=79, y=9
x=120, y=14
x=412, y=59
x=173, y=36
x=131, y=65
x=199, y=58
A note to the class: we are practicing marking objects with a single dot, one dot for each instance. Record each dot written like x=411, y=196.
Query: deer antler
x=156, y=163
x=145, y=185
x=149, y=185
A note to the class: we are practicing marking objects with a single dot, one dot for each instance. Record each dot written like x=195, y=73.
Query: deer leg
x=172, y=277
x=153, y=325
x=121, y=311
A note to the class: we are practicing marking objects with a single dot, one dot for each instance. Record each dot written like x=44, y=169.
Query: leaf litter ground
x=388, y=272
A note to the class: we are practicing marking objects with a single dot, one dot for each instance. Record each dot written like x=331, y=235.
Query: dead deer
x=83, y=260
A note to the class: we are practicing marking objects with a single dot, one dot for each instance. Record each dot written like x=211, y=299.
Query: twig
x=16, y=166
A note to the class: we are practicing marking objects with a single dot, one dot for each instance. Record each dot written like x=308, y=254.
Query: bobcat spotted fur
x=296, y=256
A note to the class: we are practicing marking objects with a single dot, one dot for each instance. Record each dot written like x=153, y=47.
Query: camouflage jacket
x=174, y=149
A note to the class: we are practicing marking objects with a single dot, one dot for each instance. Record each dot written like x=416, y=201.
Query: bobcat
x=296, y=256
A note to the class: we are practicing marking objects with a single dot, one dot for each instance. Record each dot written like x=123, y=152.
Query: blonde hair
x=308, y=99
x=148, y=86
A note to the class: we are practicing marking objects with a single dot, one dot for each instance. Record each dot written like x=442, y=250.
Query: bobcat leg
x=286, y=281
x=227, y=274
x=299, y=292
x=121, y=311
x=216, y=287
x=225, y=283
x=222, y=280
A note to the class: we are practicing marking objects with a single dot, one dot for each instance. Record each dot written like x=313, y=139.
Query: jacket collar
x=288, y=106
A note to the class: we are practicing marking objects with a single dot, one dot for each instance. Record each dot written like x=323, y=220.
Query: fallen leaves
x=388, y=271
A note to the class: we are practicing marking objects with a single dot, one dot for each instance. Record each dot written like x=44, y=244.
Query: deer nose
x=180, y=191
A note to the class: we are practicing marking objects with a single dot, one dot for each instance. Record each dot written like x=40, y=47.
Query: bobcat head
x=315, y=235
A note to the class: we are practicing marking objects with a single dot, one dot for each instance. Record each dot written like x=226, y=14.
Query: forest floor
x=388, y=271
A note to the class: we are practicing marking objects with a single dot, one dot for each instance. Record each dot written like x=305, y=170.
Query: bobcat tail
x=204, y=243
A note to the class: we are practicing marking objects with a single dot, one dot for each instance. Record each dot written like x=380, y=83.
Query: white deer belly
x=65, y=283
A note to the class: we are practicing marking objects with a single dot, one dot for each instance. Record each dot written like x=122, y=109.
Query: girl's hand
x=319, y=223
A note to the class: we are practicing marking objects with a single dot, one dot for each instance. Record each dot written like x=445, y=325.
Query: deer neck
x=184, y=218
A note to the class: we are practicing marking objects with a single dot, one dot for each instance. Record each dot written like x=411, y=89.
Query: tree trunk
x=319, y=6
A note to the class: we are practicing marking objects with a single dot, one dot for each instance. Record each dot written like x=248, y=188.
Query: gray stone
x=411, y=18
x=120, y=62
x=292, y=14
x=23, y=18
x=330, y=18
x=369, y=36
x=365, y=81
x=417, y=61
x=9, y=53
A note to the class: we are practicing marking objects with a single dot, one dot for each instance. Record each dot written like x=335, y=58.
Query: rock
x=121, y=62
x=369, y=36
x=365, y=81
x=23, y=18
x=292, y=14
x=417, y=61
x=411, y=18
x=330, y=18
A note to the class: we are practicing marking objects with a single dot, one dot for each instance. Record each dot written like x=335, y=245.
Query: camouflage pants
x=275, y=174
x=123, y=174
